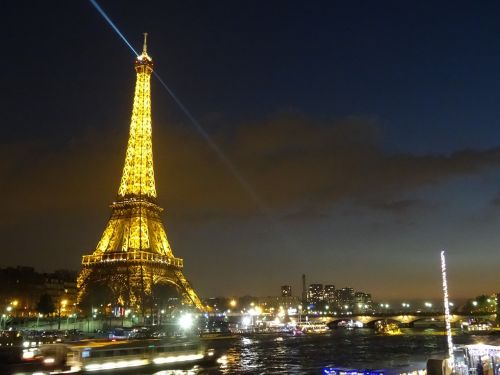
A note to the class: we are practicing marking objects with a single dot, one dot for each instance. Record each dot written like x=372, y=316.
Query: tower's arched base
x=131, y=284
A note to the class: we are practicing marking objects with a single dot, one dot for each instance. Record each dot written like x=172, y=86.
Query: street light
x=186, y=321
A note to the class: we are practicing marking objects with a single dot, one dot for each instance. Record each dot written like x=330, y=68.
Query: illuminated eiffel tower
x=133, y=255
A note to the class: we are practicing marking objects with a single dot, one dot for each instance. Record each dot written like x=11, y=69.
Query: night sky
x=369, y=130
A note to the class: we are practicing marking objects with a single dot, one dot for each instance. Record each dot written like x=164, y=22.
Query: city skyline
x=362, y=180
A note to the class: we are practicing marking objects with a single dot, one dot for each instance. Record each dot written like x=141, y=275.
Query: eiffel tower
x=133, y=255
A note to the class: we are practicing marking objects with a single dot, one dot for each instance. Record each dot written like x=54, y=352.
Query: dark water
x=340, y=348
x=359, y=349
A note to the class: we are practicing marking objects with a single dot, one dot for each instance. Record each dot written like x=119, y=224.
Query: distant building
x=362, y=301
x=345, y=297
x=276, y=302
x=61, y=287
x=22, y=287
x=217, y=303
x=286, y=291
x=329, y=293
x=315, y=293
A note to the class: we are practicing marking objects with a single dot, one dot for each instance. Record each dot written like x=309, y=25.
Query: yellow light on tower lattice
x=134, y=242
x=138, y=173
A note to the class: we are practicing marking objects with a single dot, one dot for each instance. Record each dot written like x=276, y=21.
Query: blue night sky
x=369, y=130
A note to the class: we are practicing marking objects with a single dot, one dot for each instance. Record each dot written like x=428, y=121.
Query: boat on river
x=384, y=327
x=473, y=326
x=310, y=327
x=134, y=355
x=477, y=358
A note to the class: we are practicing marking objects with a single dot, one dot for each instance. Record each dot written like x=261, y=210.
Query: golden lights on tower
x=133, y=253
x=138, y=173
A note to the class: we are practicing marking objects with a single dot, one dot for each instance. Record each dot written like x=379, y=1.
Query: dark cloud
x=56, y=196
x=395, y=206
x=293, y=162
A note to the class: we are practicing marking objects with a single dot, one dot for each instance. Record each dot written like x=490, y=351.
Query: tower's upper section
x=144, y=60
x=138, y=178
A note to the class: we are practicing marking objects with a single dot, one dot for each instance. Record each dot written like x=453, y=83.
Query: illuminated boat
x=476, y=358
x=310, y=327
x=386, y=328
x=130, y=355
x=473, y=326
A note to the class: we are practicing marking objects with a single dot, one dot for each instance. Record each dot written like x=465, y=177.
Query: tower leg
x=187, y=291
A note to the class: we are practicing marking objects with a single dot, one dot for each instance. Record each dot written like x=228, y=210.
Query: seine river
x=357, y=349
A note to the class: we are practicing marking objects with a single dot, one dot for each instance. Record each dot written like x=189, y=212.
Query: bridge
x=403, y=318
x=407, y=319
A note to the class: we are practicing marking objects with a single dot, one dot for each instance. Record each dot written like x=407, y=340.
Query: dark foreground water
x=342, y=348
x=358, y=349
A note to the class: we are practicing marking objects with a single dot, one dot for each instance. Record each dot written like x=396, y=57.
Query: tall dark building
x=315, y=293
x=330, y=293
x=286, y=291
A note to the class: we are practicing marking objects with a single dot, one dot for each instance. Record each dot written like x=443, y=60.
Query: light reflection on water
x=360, y=349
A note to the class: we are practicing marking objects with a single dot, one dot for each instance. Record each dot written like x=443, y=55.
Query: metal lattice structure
x=133, y=254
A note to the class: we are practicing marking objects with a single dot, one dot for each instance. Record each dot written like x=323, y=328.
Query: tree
x=45, y=305
x=97, y=294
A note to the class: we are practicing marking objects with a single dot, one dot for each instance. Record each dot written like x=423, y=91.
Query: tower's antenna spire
x=145, y=46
